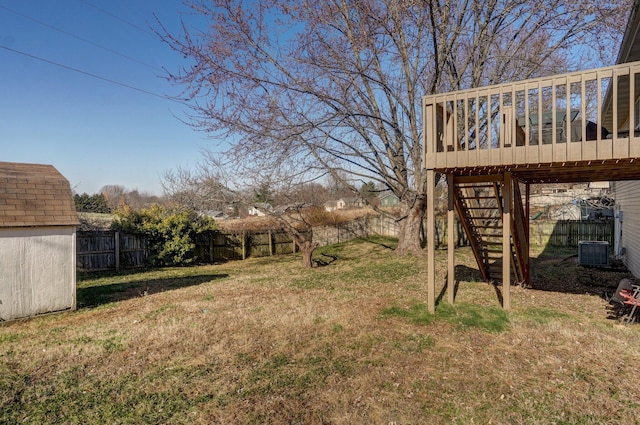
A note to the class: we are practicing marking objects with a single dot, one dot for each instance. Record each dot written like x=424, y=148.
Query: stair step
x=476, y=197
x=474, y=185
x=483, y=208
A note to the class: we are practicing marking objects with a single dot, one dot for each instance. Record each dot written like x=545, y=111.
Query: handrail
x=526, y=122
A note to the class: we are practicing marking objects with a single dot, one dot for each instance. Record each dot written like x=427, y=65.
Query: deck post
x=527, y=229
x=451, y=223
x=506, y=241
x=431, y=242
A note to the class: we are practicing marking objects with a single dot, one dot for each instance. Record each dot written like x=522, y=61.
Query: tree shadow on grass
x=462, y=273
x=383, y=241
x=327, y=260
x=94, y=296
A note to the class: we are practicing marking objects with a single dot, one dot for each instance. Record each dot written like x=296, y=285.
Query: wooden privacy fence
x=219, y=246
x=108, y=250
x=569, y=232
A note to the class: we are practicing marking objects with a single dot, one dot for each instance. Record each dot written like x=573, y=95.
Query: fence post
x=211, y=239
x=117, y=249
x=244, y=245
x=270, y=243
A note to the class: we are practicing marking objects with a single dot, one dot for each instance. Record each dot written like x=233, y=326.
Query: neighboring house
x=253, y=211
x=347, y=203
x=38, y=223
x=627, y=193
x=260, y=209
x=331, y=206
x=389, y=200
x=216, y=215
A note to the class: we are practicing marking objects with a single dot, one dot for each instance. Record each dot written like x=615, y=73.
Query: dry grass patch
x=261, y=224
x=267, y=341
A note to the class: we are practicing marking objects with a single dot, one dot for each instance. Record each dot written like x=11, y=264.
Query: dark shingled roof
x=35, y=195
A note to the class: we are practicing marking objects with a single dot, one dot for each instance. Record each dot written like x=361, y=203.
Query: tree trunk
x=409, y=240
x=307, y=248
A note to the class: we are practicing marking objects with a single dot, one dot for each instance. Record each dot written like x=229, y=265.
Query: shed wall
x=38, y=271
x=628, y=201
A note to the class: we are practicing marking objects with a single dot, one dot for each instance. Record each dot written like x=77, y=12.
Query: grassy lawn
x=265, y=341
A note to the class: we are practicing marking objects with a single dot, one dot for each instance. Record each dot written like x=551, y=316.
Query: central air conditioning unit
x=593, y=253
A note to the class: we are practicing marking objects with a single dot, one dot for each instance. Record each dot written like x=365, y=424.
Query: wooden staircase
x=479, y=203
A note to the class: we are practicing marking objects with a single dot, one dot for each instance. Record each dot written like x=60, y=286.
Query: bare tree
x=114, y=194
x=314, y=87
x=138, y=200
x=118, y=197
x=310, y=193
x=298, y=221
x=201, y=188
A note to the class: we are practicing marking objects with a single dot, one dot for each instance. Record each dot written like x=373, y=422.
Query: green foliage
x=464, y=316
x=368, y=190
x=96, y=203
x=417, y=313
x=170, y=232
x=263, y=193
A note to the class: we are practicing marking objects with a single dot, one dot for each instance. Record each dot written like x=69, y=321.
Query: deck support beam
x=431, y=242
x=527, y=228
x=506, y=241
x=451, y=223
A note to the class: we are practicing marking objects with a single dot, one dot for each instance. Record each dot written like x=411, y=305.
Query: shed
x=38, y=222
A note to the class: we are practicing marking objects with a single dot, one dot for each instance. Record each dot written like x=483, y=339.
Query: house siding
x=628, y=201
x=38, y=271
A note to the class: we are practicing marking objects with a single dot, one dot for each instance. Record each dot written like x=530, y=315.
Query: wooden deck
x=524, y=128
x=566, y=128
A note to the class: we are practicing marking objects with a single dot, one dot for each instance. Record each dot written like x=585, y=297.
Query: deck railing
x=579, y=116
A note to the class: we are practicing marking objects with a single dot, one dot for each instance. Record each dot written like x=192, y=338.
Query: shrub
x=170, y=232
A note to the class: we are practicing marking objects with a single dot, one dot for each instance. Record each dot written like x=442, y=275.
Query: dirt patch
x=558, y=270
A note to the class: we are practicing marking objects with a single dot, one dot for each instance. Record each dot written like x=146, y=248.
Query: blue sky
x=93, y=131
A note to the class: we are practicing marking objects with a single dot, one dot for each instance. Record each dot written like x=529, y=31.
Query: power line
x=106, y=12
x=80, y=38
x=92, y=75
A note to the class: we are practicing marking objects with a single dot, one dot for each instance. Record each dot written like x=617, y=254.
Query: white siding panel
x=37, y=271
x=628, y=200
